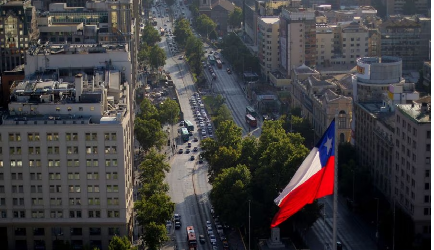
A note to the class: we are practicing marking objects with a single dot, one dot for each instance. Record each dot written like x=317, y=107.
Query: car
x=181, y=124
x=211, y=135
x=200, y=158
x=181, y=151
x=176, y=217
x=212, y=239
x=190, y=133
x=180, y=58
x=202, y=239
x=209, y=125
x=177, y=224
x=219, y=229
x=209, y=230
x=203, y=132
x=208, y=223
x=187, y=151
x=195, y=139
x=229, y=71
x=189, y=145
x=192, y=158
x=195, y=149
x=168, y=20
x=165, y=24
x=225, y=244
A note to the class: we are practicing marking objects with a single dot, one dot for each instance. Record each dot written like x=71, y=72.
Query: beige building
x=66, y=167
x=268, y=44
x=319, y=102
x=324, y=44
x=352, y=43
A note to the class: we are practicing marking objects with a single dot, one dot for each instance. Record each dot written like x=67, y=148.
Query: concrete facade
x=268, y=44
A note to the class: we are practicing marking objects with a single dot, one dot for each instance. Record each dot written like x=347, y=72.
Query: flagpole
x=335, y=191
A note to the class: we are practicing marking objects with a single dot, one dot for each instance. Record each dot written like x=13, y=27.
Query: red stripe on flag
x=317, y=186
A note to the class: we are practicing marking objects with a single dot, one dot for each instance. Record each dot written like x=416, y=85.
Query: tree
x=223, y=114
x=228, y=134
x=148, y=110
x=155, y=235
x=236, y=17
x=120, y=243
x=149, y=133
x=153, y=168
x=230, y=194
x=143, y=55
x=157, y=57
x=156, y=208
x=205, y=25
x=222, y=158
x=150, y=35
x=249, y=153
x=169, y=111
x=182, y=31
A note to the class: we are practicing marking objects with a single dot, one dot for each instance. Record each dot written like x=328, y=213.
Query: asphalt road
x=187, y=179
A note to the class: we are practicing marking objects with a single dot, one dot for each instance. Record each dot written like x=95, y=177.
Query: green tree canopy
x=155, y=235
x=120, y=243
x=236, y=17
x=229, y=134
x=157, y=57
x=230, y=194
x=205, y=25
x=223, y=114
x=148, y=110
x=150, y=35
x=153, y=168
x=149, y=133
x=156, y=208
x=169, y=111
x=182, y=31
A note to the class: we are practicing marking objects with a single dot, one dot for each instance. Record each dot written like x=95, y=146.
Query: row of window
x=56, y=150
x=55, y=136
x=56, y=176
x=39, y=214
x=40, y=231
x=19, y=189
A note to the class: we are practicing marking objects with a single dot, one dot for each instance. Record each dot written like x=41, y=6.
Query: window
x=54, y=176
x=19, y=214
x=20, y=231
x=91, y=137
x=93, y=201
x=34, y=189
x=95, y=231
x=426, y=186
x=74, y=189
x=37, y=202
x=73, y=163
x=55, y=201
x=426, y=211
x=75, y=214
x=39, y=231
x=33, y=136
x=35, y=163
x=93, y=189
x=91, y=163
x=72, y=150
x=55, y=188
x=52, y=136
x=93, y=176
x=112, y=176
x=426, y=199
x=94, y=214
x=74, y=201
x=37, y=214
x=428, y=147
x=112, y=189
x=113, y=214
x=112, y=201
x=16, y=163
x=35, y=176
x=56, y=214
x=91, y=150
x=71, y=136
x=14, y=137
x=73, y=176
x=2, y=176
x=110, y=150
x=427, y=173
x=53, y=163
x=53, y=150
x=110, y=136
x=17, y=189
x=428, y=134
x=18, y=201
x=16, y=176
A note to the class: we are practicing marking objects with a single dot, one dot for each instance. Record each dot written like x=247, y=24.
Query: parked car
x=192, y=158
x=177, y=224
x=181, y=151
x=229, y=71
x=202, y=239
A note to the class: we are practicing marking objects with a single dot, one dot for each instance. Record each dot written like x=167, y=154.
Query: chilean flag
x=314, y=179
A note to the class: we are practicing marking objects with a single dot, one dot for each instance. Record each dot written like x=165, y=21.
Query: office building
x=66, y=139
x=396, y=7
x=18, y=31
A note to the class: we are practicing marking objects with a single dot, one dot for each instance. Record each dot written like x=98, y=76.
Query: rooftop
x=49, y=48
x=270, y=20
x=383, y=59
x=384, y=115
x=303, y=69
x=419, y=112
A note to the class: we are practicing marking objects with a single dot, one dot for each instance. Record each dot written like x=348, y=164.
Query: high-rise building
x=297, y=38
x=18, y=31
x=395, y=7
x=268, y=44
x=66, y=169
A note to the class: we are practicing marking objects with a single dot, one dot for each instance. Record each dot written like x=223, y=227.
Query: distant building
x=19, y=30
x=404, y=38
x=297, y=38
x=220, y=11
x=268, y=44
x=395, y=7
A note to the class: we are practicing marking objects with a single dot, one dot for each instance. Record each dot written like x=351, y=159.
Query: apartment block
x=404, y=38
x=324, y=44
x=351, y=43
x=268, y=44
x=297, y=38
x=395, y=7
x=18, y=30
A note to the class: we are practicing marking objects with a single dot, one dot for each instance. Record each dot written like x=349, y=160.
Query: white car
x=212, y=239
x=209, y=230
x=203, y=132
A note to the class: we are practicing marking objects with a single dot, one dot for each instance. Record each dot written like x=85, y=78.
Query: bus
x=219, y=64
x=251, y=120
x=211, y=59
x=191, y=238
x=189, y=125
x=251, y=110
x=184, y=134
